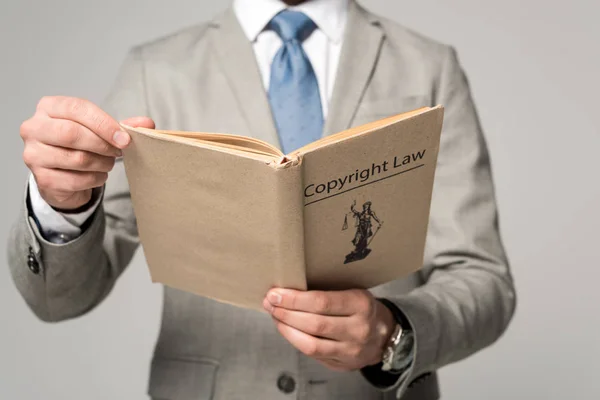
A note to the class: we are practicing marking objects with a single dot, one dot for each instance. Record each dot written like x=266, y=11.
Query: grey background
x=534, y=70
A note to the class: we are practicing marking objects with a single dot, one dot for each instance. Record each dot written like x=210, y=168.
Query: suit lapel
x=238, y=63
x=362, y=42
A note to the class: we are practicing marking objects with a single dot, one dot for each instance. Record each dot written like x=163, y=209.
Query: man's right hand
x=70, y=146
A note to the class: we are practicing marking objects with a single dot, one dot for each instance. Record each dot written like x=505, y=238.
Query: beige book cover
x=229, y=217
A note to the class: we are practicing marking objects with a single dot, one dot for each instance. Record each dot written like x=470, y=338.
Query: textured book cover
x=229, y=217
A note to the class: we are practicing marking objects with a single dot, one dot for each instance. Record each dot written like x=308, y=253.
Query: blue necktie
x=293, y=89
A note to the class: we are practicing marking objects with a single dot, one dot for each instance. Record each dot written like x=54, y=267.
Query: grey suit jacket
x=205, y=79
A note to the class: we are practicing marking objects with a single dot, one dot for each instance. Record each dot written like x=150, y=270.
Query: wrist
x=399, y=349
x=73, y=203
x=386, y=323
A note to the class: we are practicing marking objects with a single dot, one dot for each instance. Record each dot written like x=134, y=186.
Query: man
x=267, y=69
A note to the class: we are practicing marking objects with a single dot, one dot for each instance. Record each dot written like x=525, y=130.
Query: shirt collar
x=328, y=15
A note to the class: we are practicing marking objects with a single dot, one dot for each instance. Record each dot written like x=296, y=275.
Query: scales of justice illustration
x=364, y=234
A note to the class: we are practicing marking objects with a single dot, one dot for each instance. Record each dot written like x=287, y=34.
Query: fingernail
x=267, y=305
x=274, y=298
x=121, y=138
x=268, y=308
x=119, y=153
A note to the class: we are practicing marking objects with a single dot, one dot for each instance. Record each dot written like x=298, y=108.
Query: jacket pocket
x=182, y=379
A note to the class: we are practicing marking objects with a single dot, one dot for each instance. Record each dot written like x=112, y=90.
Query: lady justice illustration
x=364, y=234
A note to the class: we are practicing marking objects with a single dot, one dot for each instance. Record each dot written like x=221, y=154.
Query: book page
x=215, y=223
x=366, y=204
x=229, y=143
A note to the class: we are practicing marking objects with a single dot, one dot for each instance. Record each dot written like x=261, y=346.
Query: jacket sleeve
x=468, y=296
x=62, y=281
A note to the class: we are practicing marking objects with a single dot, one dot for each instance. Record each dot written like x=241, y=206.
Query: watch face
x=399, y=353
x=388, y=355
x=406, y=345
x=403, y=354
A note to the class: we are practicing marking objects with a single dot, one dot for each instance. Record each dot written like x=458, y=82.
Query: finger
x=87, y=114
x=311, y=346
x=329, y=327
x=67, y=201
x=341, y=303
x=68, y=181
x=68, y=134
x=52, y=157
x=335, y=365
x=139, y=122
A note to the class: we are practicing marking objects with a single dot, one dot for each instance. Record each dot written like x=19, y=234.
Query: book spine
x=288, y=225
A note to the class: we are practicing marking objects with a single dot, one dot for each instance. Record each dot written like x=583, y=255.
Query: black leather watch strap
x=398, y=315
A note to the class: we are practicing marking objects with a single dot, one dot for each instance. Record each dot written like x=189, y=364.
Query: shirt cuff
x=55, y=226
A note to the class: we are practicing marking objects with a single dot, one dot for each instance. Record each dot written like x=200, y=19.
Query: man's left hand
x=344, y=330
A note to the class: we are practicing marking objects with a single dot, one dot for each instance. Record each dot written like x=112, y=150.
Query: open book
x=229, y=217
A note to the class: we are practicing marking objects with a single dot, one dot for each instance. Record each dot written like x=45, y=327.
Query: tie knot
x=291, y=25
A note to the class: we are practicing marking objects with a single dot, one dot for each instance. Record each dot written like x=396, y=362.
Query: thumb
x=139, y=122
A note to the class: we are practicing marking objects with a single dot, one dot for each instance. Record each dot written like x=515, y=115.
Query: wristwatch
x=398, y=353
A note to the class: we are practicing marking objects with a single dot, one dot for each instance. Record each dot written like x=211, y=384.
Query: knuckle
x=68, y=134
x=29, y=156
x=364, y=304
x=320, y=327
x=312, y=348
x=26, y=128
x=45, y=103
x=81, y=159
x=363, y=333
x=42, y=179
x=322, y=303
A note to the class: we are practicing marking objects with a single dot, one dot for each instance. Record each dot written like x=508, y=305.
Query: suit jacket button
x=286, y=383
x=33, y=265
